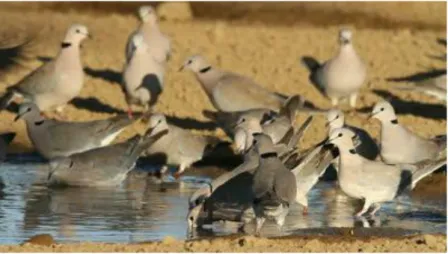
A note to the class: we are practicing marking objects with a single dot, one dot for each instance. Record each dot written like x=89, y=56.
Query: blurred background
x=425, y=15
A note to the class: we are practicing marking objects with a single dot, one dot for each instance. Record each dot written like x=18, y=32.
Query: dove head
x=29, y=112
x=335, y=119
x=384, y=112
x=76, y=34
x=157, y=123
x=147, y=14
x=345, y=36
x=342, y=138
x=263, y=144
x=196, y=64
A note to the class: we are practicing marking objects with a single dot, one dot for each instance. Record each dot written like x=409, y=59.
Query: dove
x=398, y=144
x=228, y=120
x=180, y=147
x=5, y=139
x=142, y=76
x=435, y=87
x=342, y=76
x=159, y=43
x=274, y=186
x=103, y=166
x=53, y=138
x=231, y=92
x=198, y=198
x=374, y=181
x=56, y=82
x=364, y=144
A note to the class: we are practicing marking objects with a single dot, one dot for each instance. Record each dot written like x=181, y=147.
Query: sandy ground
x=244, y=40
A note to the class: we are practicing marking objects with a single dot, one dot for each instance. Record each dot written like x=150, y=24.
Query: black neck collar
x=395, y=121
x=39, y=122
x=65, y=45
x=352, y=151
x=206, y=69
x=268, y=155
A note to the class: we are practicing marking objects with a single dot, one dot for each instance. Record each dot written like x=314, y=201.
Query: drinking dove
x=400, y=145
x=55, y=83
x=159, y=43
x=53, y=138
x=231, y=92
x=274, y=186
x=180, y=147
x=104, y=166
x=374, y=181
x=142, y=76
x=364, y=144
x=342, y=76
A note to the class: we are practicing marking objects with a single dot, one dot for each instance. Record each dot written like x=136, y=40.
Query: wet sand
x=268, y=52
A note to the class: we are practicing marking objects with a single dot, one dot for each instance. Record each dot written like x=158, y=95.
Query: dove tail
x=422, y=173
x=6, y=99
x=310, y=63
x=8, y=137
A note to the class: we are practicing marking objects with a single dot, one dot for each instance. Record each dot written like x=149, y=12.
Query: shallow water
x=142, y=210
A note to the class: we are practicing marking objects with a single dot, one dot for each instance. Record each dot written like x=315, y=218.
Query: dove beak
x=372, y=115
x=182, y=68
x=90, y=36
x=18, y=117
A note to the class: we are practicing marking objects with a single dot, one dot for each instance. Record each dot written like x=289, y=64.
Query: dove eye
x=78, y=31
x=189, y=62
x=340, y=135
x=382, y=109
x=191, y=218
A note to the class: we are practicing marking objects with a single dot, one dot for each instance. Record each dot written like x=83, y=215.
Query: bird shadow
x=107, y=74
x=426, y=110
x=419, y=76
x=94, y=105
x=190, y=123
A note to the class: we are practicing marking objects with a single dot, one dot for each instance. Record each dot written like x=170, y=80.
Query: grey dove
x=228, y=120
x=143, y=76
x=53, y=138
x=435, y=87
x=365, y=145
x=374, y=181
x=56, y=82
x=5, y=139
x=342, y=76
x=180, y=147
x=104, y=166
x=400, y=145
x=274, y=186
x=158, y=42
x=198, y=198
x=230, y=92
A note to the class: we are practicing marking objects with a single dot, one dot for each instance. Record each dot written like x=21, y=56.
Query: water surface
x=142, y=210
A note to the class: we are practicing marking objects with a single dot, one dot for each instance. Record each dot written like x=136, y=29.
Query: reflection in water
x=142, y=210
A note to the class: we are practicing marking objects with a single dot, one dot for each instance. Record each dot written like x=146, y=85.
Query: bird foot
x=305, y=211
x=177, y=175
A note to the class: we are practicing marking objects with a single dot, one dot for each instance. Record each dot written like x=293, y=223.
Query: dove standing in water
x=364, y=143
x=400, y=145
x=142, y=76
x=53, y=138
x=341, y=76
x=104, y=166
x=181, y=147
x=231, y=92
x=274, y=186
x=374, y=181
x=159, y=44
x=55, y=83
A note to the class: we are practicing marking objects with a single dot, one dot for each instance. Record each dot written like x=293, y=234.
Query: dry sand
x=242, y=39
